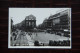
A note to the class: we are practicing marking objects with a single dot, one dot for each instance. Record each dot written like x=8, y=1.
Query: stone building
x=61, y=22
x=58, y=22
x=29, y=23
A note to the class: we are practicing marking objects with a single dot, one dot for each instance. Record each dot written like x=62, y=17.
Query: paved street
x=23, y=39
x=45, y=37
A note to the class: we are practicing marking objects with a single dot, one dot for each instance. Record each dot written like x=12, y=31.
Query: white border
x=43, y=47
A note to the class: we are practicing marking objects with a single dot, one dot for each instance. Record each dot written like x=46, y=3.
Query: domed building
x=30, y=22
x=30, y=17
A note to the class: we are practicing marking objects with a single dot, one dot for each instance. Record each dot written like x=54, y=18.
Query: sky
x=19, y=14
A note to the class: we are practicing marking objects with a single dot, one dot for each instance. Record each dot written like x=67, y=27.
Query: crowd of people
x=14, y=35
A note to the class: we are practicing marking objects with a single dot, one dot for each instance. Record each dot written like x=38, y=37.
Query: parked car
x=58, y=33
x=50, y=31
x=66, y=33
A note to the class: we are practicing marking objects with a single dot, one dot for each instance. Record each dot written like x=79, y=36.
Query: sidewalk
x=20, y=40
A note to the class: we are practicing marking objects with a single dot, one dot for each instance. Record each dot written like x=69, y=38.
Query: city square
x=24, y=39
x=32, y=29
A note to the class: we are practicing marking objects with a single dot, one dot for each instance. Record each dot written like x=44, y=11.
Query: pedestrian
x=45, y=31
x=36, y=34
x=30, y=34
x=14, y=35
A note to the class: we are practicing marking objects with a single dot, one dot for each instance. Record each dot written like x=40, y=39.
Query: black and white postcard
x=39, y=28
